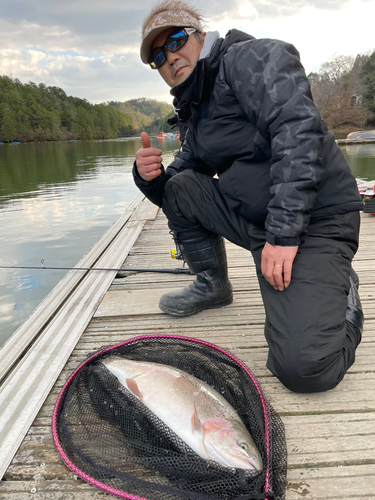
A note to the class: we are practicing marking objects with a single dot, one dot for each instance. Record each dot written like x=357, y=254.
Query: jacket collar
x=198, y=85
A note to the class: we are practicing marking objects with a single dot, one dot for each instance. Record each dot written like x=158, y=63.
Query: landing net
x=107, y=437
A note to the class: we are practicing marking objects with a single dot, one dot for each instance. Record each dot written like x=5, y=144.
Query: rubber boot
x=206, y=257
x=354, y=313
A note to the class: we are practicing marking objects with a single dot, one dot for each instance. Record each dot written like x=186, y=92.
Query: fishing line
x=181, y=270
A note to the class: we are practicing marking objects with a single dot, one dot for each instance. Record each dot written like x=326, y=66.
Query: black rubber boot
x=207, y=259
x=354, y=313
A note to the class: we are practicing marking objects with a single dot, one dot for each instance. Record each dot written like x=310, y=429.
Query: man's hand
x=148, y=159
x=277, y=265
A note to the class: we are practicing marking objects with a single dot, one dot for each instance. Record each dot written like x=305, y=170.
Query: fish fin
x=196, y=425
x=133, y=388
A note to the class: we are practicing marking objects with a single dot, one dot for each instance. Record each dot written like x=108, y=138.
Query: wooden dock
x=330, y=436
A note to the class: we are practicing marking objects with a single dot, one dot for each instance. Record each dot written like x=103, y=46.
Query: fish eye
x=243, y=446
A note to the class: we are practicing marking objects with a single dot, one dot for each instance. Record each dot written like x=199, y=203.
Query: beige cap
x=167, y=14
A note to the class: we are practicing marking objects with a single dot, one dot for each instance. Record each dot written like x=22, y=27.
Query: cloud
x=217, y=10
x=347, y=29
x=273, y=9
x=116, y=77
x=84, y=24
x=94, y=25
x=90, y=48
x=57, y=38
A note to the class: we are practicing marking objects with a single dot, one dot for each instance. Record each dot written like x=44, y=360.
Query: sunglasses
x=173, y=43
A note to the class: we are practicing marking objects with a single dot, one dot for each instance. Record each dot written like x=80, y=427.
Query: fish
x=192, y=409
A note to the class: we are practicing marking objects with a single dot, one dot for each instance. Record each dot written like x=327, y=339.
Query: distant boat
x=358, y=137
x=167, y=135
x=361, y=134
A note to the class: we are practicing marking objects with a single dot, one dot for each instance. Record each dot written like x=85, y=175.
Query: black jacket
x=251, y=119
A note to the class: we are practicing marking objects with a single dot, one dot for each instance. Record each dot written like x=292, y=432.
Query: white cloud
x=116, y=77
x=247, y=11
x=316, y=33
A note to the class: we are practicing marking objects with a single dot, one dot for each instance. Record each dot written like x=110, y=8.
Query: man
x=284, y=191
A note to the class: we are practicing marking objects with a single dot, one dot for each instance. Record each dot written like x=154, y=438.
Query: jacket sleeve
x=271, y=86
x=184, y=159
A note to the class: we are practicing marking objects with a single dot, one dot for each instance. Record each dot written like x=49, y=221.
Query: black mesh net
x=111, y=439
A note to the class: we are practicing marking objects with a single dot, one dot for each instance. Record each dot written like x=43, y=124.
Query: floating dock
x=343, y=142
x=330, y=436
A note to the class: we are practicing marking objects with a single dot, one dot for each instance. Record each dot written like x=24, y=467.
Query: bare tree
x=337, y=67
x=337, y=91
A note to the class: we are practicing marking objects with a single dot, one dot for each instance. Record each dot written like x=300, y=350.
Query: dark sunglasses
x=173, y=43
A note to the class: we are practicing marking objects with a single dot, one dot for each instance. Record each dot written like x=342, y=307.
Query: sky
x=90, y=48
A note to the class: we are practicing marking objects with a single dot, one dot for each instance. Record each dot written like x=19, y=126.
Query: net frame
x=267, y=491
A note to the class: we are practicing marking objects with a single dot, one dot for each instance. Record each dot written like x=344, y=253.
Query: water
x=56, y=200
x=361, y=158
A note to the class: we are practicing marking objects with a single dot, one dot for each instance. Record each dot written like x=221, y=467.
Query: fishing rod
x=181, y=270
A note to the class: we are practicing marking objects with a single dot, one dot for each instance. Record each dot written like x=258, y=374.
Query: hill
x=147, y=114
x=30, y=112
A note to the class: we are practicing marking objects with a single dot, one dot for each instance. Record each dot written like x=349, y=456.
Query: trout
x=194, y=411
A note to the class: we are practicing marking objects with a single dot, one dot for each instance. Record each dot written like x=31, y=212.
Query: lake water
x=57, y=199
x=361, y=158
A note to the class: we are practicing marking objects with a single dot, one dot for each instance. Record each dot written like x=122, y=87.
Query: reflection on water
x=26, y=168
x=361, y=158
x=56, y=200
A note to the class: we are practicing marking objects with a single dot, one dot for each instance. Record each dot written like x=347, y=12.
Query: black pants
x=311, y=345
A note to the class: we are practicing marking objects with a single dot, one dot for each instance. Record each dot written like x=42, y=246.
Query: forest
x=30, y=112
x=343, y=90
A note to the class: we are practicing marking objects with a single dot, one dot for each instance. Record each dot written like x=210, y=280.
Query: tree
x=367, y=76
x=164, y=125
x=37, y=112
x=146, y=114
x=337, y=90
x=336, y=68
x=8, y=126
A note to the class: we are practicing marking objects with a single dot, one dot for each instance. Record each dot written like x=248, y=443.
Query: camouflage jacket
x=251, y=120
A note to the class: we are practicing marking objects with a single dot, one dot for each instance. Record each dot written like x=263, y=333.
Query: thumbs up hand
x=148, y=159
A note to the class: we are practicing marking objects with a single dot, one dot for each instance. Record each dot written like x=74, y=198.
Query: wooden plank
x=332, y=483
x=50, y=490
x=131, y=302
x=26, y=334
x=146, y=211
x=25, y=390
